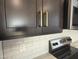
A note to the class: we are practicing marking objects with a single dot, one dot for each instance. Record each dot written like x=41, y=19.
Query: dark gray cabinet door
x=21, y=16
x=1, y=15
x=51, y=16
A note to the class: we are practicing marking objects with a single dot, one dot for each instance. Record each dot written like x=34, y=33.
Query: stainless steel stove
x=61, y=48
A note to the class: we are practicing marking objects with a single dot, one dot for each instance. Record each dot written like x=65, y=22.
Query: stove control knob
x=54, y=44
x=69, y=39
x=63, y=41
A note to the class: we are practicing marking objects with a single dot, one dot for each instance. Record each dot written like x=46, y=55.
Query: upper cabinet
x=21, y=17
x=32, y=17
x=51, y=16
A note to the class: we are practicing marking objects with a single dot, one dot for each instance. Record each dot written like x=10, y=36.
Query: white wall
x=28, y=48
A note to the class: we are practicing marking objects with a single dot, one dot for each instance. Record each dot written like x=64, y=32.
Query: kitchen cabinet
x=49, y=12
x=31, y=17
x=2, y=20
x=21, y=16
x=52, y=16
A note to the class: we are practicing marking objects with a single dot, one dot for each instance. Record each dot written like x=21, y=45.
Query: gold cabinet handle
x=41, y=18
x=46, y=18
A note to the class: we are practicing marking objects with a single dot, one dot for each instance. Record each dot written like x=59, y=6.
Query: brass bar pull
x=41, y=18
x=46, y=18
